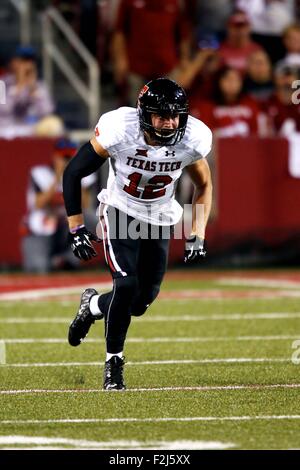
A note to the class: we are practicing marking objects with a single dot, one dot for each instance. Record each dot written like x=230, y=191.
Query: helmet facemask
x=166, y=103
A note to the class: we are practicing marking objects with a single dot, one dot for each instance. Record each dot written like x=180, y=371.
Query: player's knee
x=154, y=292
x=126, y=287
x=140, y=306
x=139, y=310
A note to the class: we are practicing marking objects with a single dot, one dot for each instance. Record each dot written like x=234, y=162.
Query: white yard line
x=232, y=360
x=49, y=292
x=149, y=420
x=261, y=282
x=2, y=352
x=23, y=320
x=198, y=339
x=167, y=318
x=221, y=317
x=203, y=388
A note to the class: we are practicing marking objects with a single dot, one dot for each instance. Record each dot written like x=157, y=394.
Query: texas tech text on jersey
x=142, y=178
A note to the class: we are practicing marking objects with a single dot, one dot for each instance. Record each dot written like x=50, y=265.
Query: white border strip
x=204, y=388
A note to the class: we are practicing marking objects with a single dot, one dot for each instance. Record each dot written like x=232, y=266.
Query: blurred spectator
x=291, y=41
x=151, y=39
x=198, y=76
x=259, y=76
x=107, y=13
x=268, y=19
x=27, y=97
x=45, y=229
x=230, y=113
x=49, y=126
x=234, y=51
x=212, y=15
x=282, y=112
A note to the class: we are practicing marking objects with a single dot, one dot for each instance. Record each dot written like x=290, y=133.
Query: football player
x=147, y=149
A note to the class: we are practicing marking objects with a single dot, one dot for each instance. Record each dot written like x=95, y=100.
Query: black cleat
x=80, y=326
x=113, y=374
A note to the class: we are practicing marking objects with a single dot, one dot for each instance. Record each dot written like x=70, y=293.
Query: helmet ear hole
x=163, y=96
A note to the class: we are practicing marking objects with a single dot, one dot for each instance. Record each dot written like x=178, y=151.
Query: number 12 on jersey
x=154, y=188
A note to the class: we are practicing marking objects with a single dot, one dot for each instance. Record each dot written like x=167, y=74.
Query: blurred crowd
x=29, y=108
x=44, y=228
x=237, y=59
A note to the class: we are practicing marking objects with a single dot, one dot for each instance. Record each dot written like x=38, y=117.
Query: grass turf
x=223, y=342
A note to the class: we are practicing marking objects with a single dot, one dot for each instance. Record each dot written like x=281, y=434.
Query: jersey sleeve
x=199, y=139
x=110, y=130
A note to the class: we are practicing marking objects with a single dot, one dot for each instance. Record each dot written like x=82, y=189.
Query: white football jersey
x=142, y=178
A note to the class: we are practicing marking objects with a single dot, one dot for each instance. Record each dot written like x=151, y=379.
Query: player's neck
x=150, y=141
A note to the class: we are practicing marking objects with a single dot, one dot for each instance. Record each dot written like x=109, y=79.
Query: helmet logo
x=143, y=90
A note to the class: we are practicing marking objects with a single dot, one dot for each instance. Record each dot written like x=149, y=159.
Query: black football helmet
x=164, y=97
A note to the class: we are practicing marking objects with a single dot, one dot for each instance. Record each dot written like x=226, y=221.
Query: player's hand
x=194, y=249
x=81, y=243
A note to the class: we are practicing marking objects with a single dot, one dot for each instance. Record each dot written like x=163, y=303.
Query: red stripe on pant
x=109, y=260
x=105, y=244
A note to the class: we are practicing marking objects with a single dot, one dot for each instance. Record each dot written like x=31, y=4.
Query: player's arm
x=90, y=157
x=200, y=175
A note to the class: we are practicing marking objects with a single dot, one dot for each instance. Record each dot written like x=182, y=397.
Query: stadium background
x=255, y=223
x=260, y=226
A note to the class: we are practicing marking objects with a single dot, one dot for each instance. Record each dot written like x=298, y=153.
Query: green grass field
x=215, y=372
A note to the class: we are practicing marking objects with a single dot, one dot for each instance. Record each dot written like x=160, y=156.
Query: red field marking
x=24, y=282
x=188, y=295
x=282, y=275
